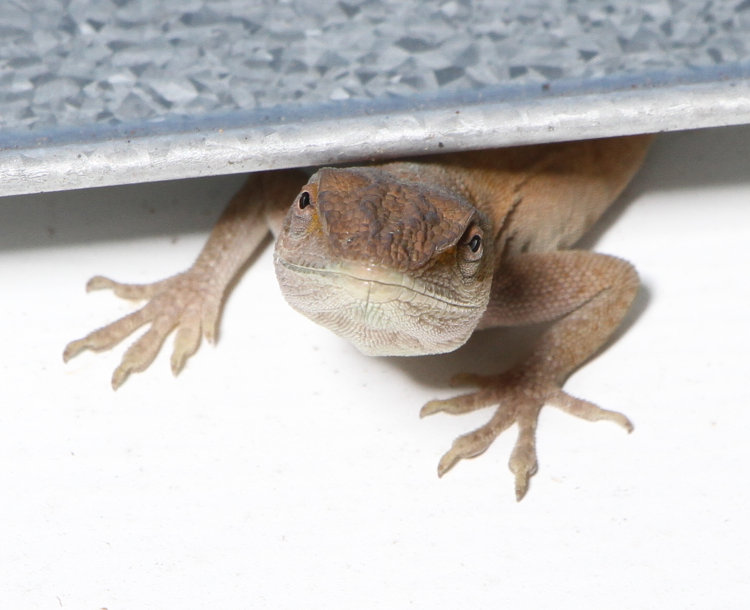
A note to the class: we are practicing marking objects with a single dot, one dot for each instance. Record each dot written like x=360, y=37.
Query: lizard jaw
x=382, y=312
x=373, y=284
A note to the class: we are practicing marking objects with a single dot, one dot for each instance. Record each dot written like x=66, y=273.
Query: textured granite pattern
x=74, y=63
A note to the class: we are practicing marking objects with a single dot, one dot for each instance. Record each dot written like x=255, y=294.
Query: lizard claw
x=520, y=398
x=187, y=301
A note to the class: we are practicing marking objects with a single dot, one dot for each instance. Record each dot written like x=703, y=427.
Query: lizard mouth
x=375, y=285
x=381, y=311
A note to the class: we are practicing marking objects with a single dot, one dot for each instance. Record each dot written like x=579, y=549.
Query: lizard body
x=410, y=258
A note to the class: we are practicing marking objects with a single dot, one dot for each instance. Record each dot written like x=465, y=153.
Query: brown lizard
x=410, y=258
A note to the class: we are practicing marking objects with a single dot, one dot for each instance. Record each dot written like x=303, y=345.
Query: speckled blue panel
x=84, y=62
x=97, y=92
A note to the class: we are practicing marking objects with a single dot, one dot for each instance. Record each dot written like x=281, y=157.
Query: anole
x=410, y=258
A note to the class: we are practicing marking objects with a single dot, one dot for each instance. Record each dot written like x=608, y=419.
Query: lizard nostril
x=304, y=200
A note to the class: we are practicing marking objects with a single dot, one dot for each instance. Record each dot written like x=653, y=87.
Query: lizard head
x=393, y=266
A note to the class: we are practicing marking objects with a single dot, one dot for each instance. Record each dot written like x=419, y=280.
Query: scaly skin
x=410, y=258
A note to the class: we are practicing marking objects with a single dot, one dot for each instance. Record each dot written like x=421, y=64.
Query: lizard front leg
x=587, y=294
x=191, y=301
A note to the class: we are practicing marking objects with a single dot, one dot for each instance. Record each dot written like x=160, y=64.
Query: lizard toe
x=587, y=410
x=472, y=379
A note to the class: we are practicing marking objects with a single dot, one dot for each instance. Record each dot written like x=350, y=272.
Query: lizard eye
x=473, y=247
x=302, y=213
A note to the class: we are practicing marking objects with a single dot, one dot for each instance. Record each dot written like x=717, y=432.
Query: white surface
x=284, y=470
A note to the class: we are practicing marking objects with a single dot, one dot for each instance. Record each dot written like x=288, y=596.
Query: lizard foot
x=521, y=397
x=188, y=300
